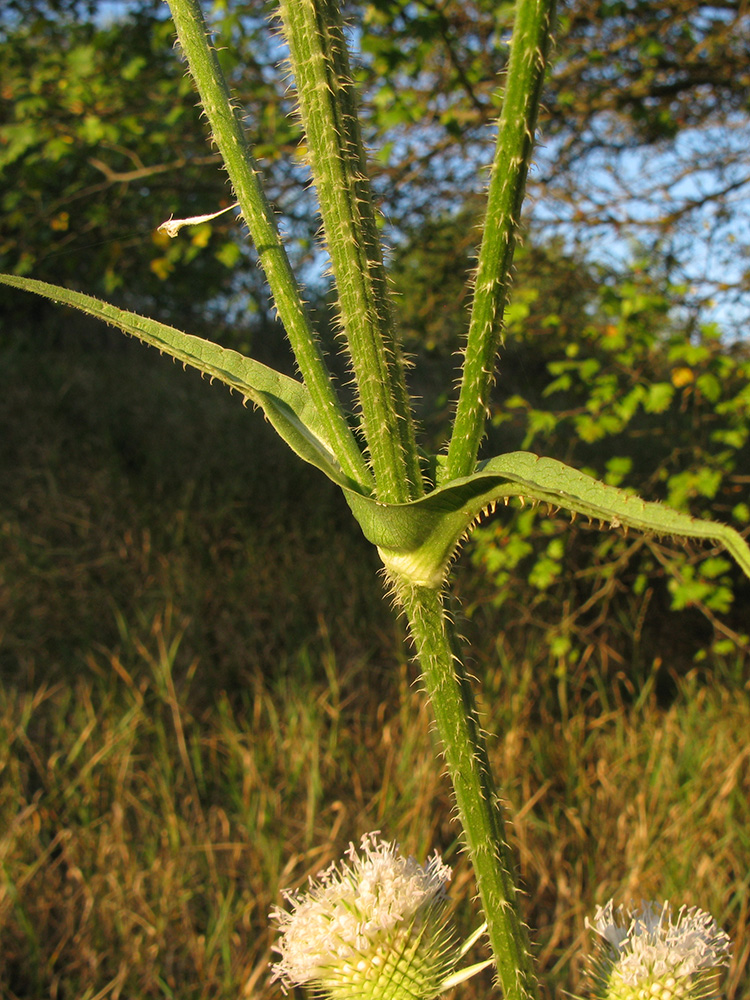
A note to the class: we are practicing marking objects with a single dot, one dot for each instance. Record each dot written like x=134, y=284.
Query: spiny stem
x=229, y=135
x=478, y=803
x=528, y=57
x=325, y=88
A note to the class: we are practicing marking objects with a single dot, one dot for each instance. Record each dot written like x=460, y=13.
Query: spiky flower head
x=651, y=954
x=374, y=926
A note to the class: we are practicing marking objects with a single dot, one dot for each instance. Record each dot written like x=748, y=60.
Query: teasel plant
x=653, y=953
x=415, y=509
x=373, y=927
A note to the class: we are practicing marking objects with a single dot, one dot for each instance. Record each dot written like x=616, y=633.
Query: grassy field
x=203, y=698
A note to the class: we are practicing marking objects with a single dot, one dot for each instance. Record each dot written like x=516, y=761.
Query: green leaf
x=710, y=386
x=286, y=402
x=230, y=136
x=418, y=540
x=618, y=468
x=659, y=397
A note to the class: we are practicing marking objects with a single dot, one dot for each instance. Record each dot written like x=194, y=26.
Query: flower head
x=649, y=954
x=374, y=926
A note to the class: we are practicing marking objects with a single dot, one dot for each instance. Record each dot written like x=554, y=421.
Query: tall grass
x=181, y=735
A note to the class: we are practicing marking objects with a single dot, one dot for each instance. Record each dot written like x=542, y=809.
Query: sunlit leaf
x=284, y=401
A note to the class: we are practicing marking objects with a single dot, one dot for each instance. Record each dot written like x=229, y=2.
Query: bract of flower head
x=372, y=926
x=651, y=954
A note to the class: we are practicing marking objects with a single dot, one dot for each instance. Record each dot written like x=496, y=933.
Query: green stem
x=326, y=94
x=478, y=803
x=515, y=140
x=229, y=135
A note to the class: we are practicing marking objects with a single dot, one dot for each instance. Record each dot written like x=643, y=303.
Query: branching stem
x=515, y=140
x=328, y=107
x=229, y=135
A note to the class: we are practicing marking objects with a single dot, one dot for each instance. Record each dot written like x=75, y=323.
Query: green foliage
x=644, y=120
x=431, y=82
x=644, y=398
x=90, y=112
x=101, y=141
x=416, y=540
x=609, y=372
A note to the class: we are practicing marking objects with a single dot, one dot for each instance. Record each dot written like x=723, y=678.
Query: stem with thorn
x=229, y=135
x=515, y=140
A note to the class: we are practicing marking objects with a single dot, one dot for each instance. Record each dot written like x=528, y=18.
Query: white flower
x=650, y=954
x=373, y=927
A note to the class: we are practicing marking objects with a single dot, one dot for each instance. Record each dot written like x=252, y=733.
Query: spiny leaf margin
x=286, y=402
x=417, y=541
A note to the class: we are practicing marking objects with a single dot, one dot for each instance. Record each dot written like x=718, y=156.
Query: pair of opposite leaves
x=415, y=540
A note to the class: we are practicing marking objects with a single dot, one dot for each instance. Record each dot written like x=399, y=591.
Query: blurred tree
x=645, y=130
x=609, y=372
x=101, y=141
x=645, y=136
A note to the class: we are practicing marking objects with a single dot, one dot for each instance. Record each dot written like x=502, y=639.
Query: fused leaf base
x=417, y=540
